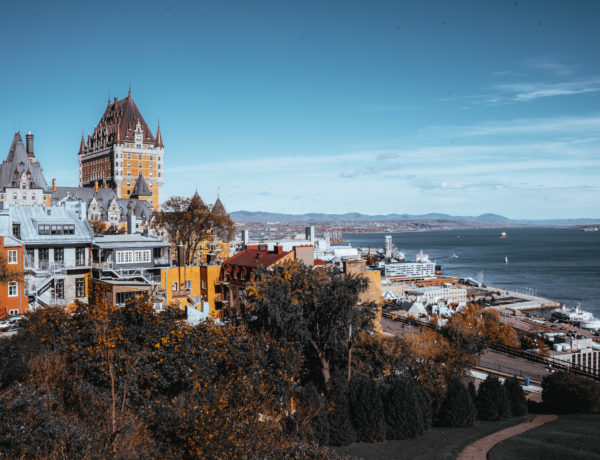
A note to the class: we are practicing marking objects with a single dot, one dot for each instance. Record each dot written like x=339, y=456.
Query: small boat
x=503, y=235
x=506, y=260
x=454, y=256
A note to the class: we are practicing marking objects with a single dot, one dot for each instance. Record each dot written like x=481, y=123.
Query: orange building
x=12, y=292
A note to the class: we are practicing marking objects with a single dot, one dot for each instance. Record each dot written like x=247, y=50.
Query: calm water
x=561, y=264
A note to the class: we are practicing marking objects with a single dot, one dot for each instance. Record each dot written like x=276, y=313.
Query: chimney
x=96, y=186
x=130, y=223
x=29, y=145
x=54, y=185
x=181, y=255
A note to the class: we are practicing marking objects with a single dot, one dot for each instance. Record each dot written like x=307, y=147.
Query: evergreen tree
x=492, y=401
x=472, y=392
x=516, y=397
x=341, y=430
x=458, y=409
x=406, y=415
x=366, y=409
x=567, y=393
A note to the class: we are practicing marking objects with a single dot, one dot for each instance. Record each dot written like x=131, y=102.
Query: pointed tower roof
x=82, y=145
x=17, y=162
x=218, y=208
x=159, y=141
x=140, y=188
x=119, y=119
x=11, y=151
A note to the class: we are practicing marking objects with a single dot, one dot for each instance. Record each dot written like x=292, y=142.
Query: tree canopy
x=190, y=221
x=312, y=309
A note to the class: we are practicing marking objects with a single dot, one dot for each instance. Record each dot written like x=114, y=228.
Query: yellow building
x=191, y=285
x=120, y=151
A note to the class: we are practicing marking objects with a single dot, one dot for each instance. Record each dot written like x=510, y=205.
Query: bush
x=366, y=409
x=472, y=392
x=341, y=430
x=492, y=400
x=564, y=393
x=458, y=409
x=407, y=411
x=516, y=397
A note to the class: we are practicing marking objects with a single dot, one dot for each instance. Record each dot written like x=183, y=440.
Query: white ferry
x=577, y=317
x=503, y=235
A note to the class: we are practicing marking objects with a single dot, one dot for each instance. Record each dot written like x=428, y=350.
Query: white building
x=433, y=294
x=421, y=268
x=57, y=252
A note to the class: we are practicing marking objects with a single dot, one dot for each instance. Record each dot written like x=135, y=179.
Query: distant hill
x=263, y=217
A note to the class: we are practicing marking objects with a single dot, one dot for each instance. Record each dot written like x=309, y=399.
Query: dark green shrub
x=341, y=430
x=407, y=413
x=566, y=393
x=366, y=409
x=492, y=401
x=516, y=397
x=472, y=392
x=458, y=409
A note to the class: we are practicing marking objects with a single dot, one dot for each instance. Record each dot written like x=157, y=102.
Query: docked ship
x=576, y=317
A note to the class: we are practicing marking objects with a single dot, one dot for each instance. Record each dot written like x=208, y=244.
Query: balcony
x=181, y=293
x=108, y=265
x=162, y=261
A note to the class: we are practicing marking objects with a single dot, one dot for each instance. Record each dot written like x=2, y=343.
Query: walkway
x=479, y=449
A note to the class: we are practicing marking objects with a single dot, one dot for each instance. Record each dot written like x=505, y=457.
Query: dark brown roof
x=117, y=125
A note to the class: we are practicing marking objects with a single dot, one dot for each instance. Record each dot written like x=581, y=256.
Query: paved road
x=479, y=449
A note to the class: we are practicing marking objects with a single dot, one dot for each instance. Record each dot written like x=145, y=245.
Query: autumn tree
x=474, y=328
x=101, y=228
x=313, y=309
x=190, y=221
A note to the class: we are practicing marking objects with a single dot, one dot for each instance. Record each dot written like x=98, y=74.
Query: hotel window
x=12, y=256
x=16, y=230
x=14, y=196
x=59, y=289
x=203, y=284
x=140, y=165
x=80, y=287
x=175, y=285
x=13, y=312
x=151, y=174
x=59, y=255
x=188, y=285
x=129, y=164
x=13, y=289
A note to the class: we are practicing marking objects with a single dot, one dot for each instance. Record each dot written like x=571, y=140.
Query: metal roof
x=128, y=241
x=17, y=162
x=31, y=216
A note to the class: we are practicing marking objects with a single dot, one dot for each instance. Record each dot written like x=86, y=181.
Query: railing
x=162, y=261
x=107, y=264
x=181, y=292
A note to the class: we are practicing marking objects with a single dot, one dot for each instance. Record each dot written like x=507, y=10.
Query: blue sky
x=461, y=107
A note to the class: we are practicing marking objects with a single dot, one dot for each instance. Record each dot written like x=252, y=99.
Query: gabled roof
x=141, y=188
x=117, y=125
x=18, y=162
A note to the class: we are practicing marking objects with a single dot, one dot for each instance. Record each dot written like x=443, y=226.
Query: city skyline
x=339, y=107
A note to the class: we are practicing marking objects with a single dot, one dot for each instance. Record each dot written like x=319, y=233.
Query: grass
x=435, y=444
x=573, y=436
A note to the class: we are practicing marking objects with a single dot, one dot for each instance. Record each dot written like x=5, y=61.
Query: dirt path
x=479, y=449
